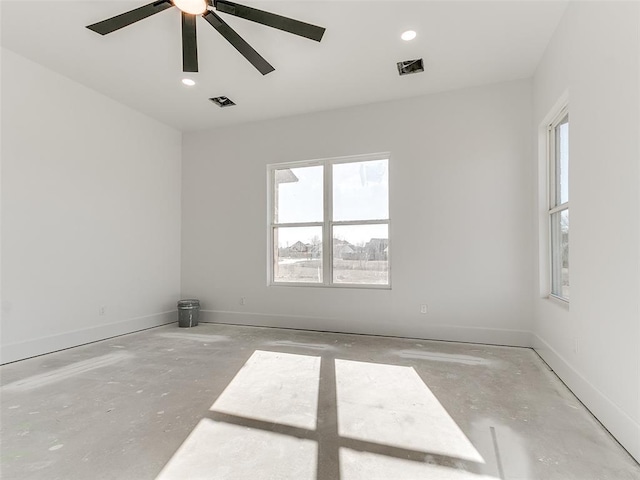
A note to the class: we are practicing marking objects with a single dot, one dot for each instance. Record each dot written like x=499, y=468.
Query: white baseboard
x=39, y=346
x=490, y=336
x=624, y=428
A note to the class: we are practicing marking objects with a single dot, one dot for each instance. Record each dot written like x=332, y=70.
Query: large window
x=329, y=222
x=558, y=141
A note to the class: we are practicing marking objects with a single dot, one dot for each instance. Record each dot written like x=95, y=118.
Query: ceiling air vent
x=222, y=101
x=410, y=66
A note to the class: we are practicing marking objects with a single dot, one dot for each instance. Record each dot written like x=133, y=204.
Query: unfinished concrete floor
x=229, y=402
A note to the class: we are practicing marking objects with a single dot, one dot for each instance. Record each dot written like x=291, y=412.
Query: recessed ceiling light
x=188, y=82
x=194, y=7
x=408, y=35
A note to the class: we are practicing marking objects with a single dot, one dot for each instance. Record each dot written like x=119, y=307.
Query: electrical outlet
x=102, y=310
x=575, y=345
x=423, y=309
x=243, y=300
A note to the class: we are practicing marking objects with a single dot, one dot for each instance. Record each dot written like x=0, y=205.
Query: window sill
x=562, y=302
x=336, y=286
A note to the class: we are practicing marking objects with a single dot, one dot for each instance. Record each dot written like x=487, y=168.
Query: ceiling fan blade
x=236, y=40
x=115, y=23
x=271, y=19
x=189, y=43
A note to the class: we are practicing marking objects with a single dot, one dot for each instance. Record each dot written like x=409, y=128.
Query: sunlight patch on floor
x=391, y=405
x=356, y=465
x=274, y=387
x=217, y=450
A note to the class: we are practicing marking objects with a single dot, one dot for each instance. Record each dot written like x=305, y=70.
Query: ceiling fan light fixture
x=192, y=7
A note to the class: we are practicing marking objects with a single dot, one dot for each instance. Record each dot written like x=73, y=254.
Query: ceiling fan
x=206, y=9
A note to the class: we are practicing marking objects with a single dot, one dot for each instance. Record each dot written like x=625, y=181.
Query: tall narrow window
x=558, y=136
x=329, y=222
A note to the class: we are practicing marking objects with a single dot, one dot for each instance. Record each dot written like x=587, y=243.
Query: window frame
x=327, y=224
x=555, y=207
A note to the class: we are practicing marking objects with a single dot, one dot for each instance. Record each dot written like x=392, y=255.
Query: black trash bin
x=188, y=313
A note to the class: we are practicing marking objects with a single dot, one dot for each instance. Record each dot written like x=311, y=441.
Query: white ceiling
x=463, y=43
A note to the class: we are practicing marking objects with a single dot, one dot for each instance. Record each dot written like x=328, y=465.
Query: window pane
x=360, y=254
x=562, y=161
x=361, y=191
x=298, y=195
x=297, y=254
x=560, y=254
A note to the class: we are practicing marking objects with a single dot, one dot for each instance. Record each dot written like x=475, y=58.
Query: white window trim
x=327, y=223
x=542, y=202
x=552, y=206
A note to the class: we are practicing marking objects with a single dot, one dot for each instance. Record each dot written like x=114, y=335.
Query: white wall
x=90, y=214
x=461, y=217
x=594, y=345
